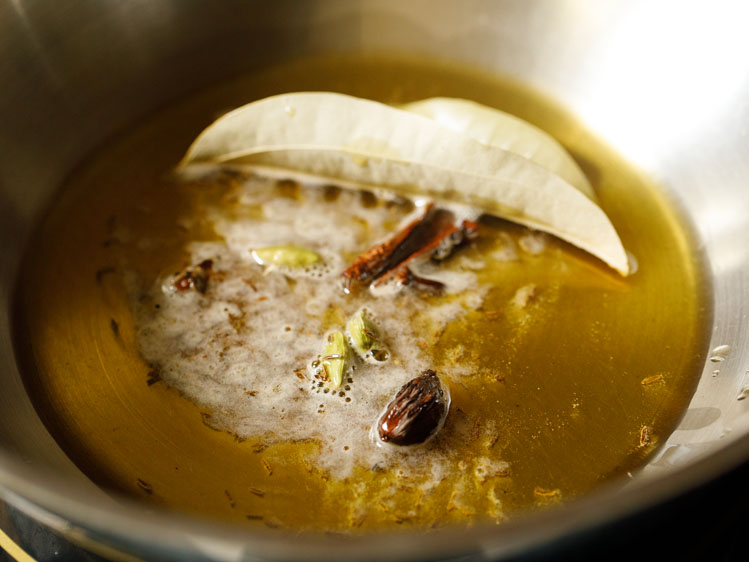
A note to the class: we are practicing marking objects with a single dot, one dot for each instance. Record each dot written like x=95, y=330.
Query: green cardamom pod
x=366, y=338
x=335, y=358
x=286, y=254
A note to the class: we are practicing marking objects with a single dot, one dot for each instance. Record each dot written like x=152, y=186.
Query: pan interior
x=574, y=395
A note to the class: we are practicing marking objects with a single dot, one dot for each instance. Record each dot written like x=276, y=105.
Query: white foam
x=507, y=251
x=533, y=243
x=238, y=349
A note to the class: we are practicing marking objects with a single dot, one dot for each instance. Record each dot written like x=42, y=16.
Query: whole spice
x=335, y=359
x=365, y=338
x=435, y=233
x=286, y=254
x=417, y=412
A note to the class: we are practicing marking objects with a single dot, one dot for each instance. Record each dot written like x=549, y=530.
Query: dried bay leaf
x=497, y=128
x=355, y=142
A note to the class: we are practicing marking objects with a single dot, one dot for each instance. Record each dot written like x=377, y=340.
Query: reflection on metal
x=659, y=84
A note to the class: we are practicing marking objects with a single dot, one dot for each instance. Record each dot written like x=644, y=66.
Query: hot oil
x=567, y=372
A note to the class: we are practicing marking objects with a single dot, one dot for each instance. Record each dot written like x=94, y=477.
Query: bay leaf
x=355, y=142
x=497, y=128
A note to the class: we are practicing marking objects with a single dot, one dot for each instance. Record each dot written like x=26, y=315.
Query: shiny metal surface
x=666, y=84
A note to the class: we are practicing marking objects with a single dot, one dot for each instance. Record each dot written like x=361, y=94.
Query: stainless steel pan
x=665, y=83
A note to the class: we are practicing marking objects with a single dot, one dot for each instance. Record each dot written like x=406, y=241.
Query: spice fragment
x=153, y=377
x=546, y=493
x=205, y=417
x=145, y=486
x=195, y=277
x=100, y=273
x=651, y=380
x=646, y=434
